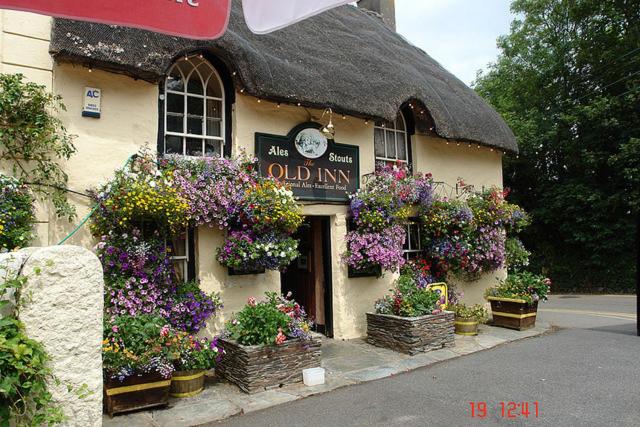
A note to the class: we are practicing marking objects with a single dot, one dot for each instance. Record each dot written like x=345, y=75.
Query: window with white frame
x=194, y=109
x=391, y=141
x=412, y=246
x=180, y=254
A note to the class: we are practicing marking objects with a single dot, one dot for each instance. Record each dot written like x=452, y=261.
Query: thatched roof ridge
x=346, y=59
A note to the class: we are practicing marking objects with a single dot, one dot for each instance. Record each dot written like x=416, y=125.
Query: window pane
x=178, y=245
x=194, y=125
x=391, y=144
x=173, y=145
x=378, y=142
x=195, y=85
x=195, y=106
x=402, y=146
x=414, y=237
x=175, y=103
x=175, y=82
x=194, y=147
x=214, y=88
x=214, y=118
x=174, y=122
x=179, y=267
x=213, y=148
x=400, y=123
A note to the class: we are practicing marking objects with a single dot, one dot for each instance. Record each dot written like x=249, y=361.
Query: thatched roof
x=346, y=59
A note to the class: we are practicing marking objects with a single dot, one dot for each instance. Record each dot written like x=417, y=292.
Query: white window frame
x=393, y=127
x=185, y=93
x=410, y=247
x=183, y=259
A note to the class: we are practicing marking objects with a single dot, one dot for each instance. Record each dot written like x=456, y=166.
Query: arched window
x=194, y=109
x=391, y=141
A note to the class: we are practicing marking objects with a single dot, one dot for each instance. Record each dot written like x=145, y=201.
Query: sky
x=459, y=34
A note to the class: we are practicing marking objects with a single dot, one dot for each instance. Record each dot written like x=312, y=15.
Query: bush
x=190, y=353
x=476, y=311
x=409, y=300
x=16, y=214
x=525, y=286
x=268, y=322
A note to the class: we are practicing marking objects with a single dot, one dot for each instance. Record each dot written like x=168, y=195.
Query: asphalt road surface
x=587, y=373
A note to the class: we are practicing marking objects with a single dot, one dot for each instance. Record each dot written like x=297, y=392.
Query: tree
x=567, y=81
x=33, y=140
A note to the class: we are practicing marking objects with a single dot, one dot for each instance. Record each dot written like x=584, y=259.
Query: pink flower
x=164, y=331
x=252, y=302
x=280, y=338
x=114, y=328
x=437, y=311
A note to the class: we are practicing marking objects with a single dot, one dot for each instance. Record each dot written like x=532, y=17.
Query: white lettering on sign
x=92, y=102
x=192, y=3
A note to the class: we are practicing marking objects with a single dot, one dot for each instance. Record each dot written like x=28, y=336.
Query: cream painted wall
x=24, y=48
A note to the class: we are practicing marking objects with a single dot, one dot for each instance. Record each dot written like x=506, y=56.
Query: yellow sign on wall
x=442, y=287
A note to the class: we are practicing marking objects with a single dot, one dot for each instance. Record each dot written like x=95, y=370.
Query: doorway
x=308, y=277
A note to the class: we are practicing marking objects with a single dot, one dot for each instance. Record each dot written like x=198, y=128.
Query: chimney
x=385, y=8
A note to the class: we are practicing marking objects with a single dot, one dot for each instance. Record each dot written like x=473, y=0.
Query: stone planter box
x=411, y=335
x=136, y=392
x=513, y=313
x=259, y=367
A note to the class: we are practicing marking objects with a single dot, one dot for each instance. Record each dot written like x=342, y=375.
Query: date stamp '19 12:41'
x=511, y=410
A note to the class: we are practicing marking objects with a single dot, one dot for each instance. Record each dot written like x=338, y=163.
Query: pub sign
x=316, y=168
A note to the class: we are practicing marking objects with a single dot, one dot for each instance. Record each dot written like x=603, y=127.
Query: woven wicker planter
x=259, y=367
x=187, y=383
x=513, y=313
x=136, y=392
x=466, y=326
x=411, y=335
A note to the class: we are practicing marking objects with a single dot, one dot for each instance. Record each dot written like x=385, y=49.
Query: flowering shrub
x=16, y=213
x=516, y=255
x=190, y=307
x=423, y=271
x=242, y=250
x=271, y=321
x=139, y=193
x=407, y=299
x=270, y=207
x=476, y=311
x=379, y=211
x=525, y=286
x=191, y=353
x=136, y=346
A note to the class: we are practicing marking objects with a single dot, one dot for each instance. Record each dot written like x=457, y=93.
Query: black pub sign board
x=316, y=168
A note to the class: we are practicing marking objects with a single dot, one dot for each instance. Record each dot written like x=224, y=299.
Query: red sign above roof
x=194, y=19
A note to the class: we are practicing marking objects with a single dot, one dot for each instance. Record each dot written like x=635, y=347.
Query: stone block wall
x=61, y=307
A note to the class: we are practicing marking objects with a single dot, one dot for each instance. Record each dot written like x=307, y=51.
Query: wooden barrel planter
x=411, y=335
x=187, y=383
x=513, y=313
x=257, y=368
x=136, y=392
x=466, y=326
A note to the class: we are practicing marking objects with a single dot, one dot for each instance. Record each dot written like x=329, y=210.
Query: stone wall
x=411, y=335
x=259, y=367
x=61, y=307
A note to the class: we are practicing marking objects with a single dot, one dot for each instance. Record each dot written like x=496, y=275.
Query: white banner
x=265, y=16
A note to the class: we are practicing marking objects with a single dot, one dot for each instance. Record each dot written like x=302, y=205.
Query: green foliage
x=464, y=311
x=409, y=300
x=191, y=353
x=16, y=213
x=517, y=256
x=24, y=397
x=524, y=285
x=257, y=324
x=33, y=140
x=567, y=83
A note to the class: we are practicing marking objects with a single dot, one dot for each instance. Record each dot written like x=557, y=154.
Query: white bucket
x=313, y=376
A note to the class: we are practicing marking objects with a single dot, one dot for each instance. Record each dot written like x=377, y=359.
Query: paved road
x=585, y=374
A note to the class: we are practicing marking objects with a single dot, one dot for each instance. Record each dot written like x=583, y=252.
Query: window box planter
x=466, y=326
x=411, y=335
x=513, y=313
x=259, y=367
x=135, y=392
x=187, y=383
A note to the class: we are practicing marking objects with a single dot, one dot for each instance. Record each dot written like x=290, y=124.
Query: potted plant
x=410, y=319
x=137, y=369
x=191, y=358
x=468, y=317
x=268, y=344
x=514, y=302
